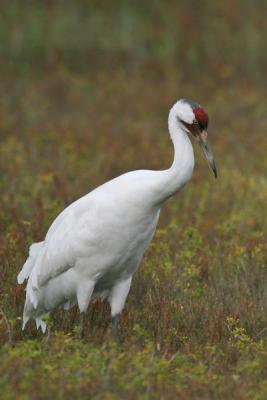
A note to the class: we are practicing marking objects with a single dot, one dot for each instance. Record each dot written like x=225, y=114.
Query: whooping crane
x=96, y=244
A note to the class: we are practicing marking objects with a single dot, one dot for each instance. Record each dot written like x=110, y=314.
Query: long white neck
x=172, y=179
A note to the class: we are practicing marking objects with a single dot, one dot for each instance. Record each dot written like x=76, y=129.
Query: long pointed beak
x=205, y=146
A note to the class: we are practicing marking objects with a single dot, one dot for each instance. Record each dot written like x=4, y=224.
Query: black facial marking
x=193, y=128
x=203, y=125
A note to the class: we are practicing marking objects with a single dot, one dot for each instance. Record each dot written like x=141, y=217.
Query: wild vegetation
x=85, y=93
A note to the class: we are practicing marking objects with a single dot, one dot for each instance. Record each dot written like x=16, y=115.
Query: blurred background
x=86, y=87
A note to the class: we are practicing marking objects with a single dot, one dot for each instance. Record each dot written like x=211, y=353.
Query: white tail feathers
x=33, y=296
x=29, y=264
x=40, y=323
x=25, y=320
x=25, y=272
x=31, y=311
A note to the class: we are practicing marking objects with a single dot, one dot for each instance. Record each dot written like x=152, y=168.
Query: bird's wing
x=27, y=268
x=82, y=229
x=36, y=250
x=67, y=239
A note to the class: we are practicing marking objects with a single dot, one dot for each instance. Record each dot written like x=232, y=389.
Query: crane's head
x=194, y=119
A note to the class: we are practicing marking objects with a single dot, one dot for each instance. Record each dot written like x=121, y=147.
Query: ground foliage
x=85, y=93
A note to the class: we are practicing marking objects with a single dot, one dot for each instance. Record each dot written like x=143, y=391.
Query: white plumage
x=95, y=245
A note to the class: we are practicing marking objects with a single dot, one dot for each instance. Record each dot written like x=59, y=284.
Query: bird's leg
x=47, y=339
x=117, y=300
x=84, y=293
x=115, y=321
x=82, y=332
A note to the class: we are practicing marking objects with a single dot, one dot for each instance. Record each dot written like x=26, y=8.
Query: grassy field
x=85, y=94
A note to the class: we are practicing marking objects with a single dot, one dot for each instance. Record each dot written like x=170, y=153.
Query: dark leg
x=115, y=321
x=47, y=339
x=82, y=315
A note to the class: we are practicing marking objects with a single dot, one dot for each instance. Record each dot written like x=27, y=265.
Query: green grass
x=75, y=113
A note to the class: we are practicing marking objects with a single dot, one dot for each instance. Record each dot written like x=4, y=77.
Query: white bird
x=94, y=246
